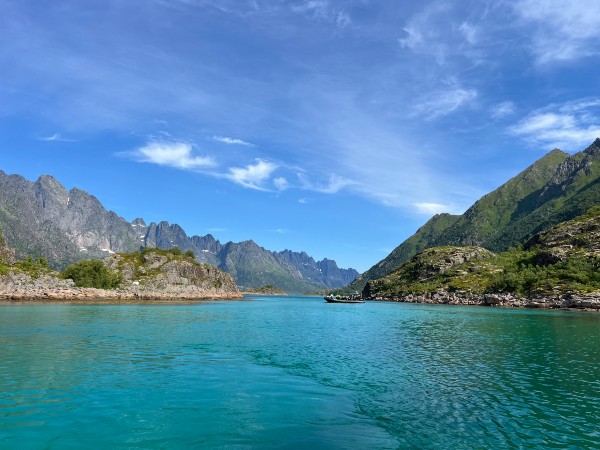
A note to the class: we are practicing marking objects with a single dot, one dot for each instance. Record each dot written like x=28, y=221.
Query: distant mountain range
x=42, y=218
x=556, y=188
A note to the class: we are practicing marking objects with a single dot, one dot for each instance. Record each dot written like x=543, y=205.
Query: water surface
x=297, y=373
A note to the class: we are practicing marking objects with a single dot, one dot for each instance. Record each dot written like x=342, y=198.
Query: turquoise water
x=297, y=373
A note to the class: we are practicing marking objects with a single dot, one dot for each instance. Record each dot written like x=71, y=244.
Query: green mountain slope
x=253, y=266
x=564, y=260
x=556, y=188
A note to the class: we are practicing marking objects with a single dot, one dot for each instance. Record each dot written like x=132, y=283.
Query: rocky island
x=151, y=275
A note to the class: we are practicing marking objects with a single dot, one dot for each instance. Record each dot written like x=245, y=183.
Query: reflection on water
x=298, y=372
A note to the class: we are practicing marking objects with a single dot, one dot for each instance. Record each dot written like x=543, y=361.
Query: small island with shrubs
x=151, y=274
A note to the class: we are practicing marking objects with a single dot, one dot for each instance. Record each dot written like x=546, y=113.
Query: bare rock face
x=439, y=260
x=575, y=236
x=168, y=272
x=7, y=254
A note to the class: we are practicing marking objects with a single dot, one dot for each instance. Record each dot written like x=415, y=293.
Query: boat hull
x=335, y=300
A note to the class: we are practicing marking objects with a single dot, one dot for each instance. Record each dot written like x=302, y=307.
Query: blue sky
x=334, y=127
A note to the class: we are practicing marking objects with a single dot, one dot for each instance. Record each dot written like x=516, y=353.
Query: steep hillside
x=562, y=261
x=556, y=188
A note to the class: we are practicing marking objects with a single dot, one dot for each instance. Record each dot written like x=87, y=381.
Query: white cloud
x=569, y=126
x=335, y=184
x=279, y=231
x=431, y=208
x=55, y=137
x=303, y=200
x=423, y=33
x=281, y=183
x=469, y=32
x=562, y=30
x=233, y=141
x=322, y=10
x=502, y=110
x=437, y=32
x=216, y=230
x=252, y=176
x=443, y=102
x=172, y=154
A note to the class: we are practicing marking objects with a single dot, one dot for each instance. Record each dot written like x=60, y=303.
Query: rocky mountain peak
x=50, y=183
x=138, y=222
x=593, y=149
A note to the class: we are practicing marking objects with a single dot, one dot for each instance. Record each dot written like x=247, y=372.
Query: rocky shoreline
x=586, y=302
x=18, y=287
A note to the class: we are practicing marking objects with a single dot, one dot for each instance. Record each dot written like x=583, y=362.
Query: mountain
x=560, y=265
x=43, y=219
x=251, y=265
x=555, y=188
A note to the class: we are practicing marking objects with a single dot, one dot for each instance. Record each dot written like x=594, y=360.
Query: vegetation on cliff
x=93, y=274
x=151, y=274
x=562, y=260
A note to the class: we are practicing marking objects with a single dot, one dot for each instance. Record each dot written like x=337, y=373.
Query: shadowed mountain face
x=556, y=188
x=44, y=219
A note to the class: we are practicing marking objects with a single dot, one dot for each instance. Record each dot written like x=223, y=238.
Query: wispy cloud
x=423, y=32
x=172, y=154
x=431, y=208
x=443, y=102
x=569, y=126
x=304, y=200
x=253, y=176
x=562, y=30
x=281, y=183
x=216, y=229
x=279, y=231
x=55, y=137
x=323, y=10
x=231, y=141
x=438, y=31
x=333, y=185
x=502, y=110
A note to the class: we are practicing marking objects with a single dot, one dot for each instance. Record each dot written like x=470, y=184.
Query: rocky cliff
x=43, y=219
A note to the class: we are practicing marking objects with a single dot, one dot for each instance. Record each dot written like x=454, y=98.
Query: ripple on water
x=293, y=373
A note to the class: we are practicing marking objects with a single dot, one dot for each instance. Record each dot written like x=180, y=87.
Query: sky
x=332, y=127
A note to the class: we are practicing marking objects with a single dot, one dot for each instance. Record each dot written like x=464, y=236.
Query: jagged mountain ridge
x=556, y=188
x=42, y=218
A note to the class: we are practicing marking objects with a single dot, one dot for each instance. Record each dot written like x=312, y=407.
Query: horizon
x=329, y=127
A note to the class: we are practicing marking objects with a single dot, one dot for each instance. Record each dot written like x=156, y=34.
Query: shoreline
x=105, y=301
x=564, y=302
x=19, y=288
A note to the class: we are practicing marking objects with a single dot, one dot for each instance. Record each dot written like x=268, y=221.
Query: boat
x=354, y=298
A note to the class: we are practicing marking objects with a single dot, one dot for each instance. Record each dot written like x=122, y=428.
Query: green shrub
x=92, y=273
x=34, y=267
